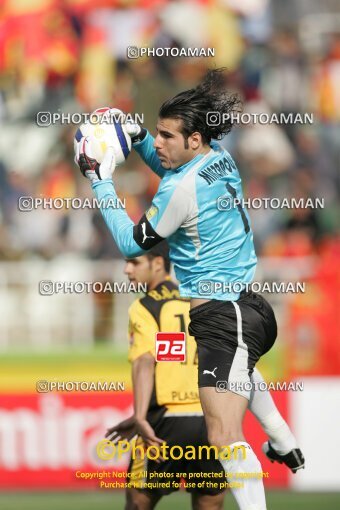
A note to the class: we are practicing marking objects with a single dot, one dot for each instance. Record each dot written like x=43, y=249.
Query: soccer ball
x=105, y=130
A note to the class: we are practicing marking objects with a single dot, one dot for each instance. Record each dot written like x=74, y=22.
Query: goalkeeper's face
x=172, y=148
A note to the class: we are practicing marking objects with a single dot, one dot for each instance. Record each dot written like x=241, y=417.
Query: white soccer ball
x=104, y=130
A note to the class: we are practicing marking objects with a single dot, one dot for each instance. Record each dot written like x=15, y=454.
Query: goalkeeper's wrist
x=98, y=182
x=140, y=137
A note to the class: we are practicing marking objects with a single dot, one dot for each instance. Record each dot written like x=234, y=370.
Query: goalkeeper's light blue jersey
x=211, y=244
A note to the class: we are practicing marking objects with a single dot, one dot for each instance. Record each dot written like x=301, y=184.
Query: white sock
x=264, y=409
x=251, y=496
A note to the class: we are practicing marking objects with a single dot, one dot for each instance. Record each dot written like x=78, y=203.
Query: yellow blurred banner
x=21, y=375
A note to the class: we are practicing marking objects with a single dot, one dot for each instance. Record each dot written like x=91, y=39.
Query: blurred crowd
x=71, y=56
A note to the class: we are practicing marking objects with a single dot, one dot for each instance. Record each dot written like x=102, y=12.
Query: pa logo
x=170, y=346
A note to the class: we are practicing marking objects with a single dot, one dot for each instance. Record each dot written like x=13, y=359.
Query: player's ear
x=158, y=263
x=195, y=140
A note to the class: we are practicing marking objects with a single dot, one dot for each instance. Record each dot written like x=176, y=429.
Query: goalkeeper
x=211, y=250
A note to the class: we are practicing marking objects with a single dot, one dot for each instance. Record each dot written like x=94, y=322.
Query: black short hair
x=192, y=107
x=160, y=250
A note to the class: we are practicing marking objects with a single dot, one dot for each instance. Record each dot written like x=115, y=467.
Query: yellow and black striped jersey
x=163, y=310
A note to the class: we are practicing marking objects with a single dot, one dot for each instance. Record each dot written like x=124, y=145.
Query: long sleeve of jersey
x=169, y=210
x=116, y=219
x=148, y=154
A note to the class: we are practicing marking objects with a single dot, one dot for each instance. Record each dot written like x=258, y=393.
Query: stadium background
x=70, y=56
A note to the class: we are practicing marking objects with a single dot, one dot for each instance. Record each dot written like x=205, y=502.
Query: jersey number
x=232, y=191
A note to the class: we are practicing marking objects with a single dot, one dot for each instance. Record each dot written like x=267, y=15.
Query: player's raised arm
x=169, y=210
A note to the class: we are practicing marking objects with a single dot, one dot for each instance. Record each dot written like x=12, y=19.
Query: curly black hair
x=193, y=107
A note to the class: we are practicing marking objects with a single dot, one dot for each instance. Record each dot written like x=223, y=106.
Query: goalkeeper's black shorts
x=231, y=336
